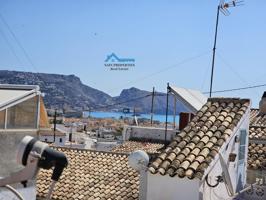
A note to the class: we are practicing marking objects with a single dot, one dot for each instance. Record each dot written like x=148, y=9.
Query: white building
x=48, y=135
x=190, y=167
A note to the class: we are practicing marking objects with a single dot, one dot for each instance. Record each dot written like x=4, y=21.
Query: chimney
x=184, y=119
x=263, y=104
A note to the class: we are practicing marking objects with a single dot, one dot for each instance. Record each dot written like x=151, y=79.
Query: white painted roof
x=14, y=94
x=192, y=99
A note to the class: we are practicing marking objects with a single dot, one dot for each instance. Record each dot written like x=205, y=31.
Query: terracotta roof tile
x=192, y=150
x=257, y=119
x=92, y=175
x=130, y=146
x=50, y=132
x=257, y=133
x=257, y=156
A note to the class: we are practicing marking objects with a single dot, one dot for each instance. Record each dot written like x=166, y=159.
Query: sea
x=118, y=115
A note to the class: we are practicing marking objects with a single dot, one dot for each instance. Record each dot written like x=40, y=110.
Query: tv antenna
x=223, y=7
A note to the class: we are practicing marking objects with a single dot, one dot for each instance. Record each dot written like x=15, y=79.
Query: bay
x=117, y=115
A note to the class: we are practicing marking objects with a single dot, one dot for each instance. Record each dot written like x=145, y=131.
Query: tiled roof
x=50, y=132
x=193, y=149
x=257, y=119
x=257, y=133
x=257, y=156
x=92, y=175
x=257, y=141
x=130, y=146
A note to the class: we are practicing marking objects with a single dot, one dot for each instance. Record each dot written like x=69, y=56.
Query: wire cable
x=10, y=46
x=18, y=42
x=230, y=67
x=119, y=103
x=51, y=188
x=237, y=89
x=182, y=62
x=14, y=191
x=95, y=107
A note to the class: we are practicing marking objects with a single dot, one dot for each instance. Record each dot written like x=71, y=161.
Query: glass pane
x=23, y=115
x=242, y=152
x=2, y=119
x=243, y=135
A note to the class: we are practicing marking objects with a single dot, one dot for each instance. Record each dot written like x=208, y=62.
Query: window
x=242, y=145
x=60, y=140
x=45, y=139
x=23, y=115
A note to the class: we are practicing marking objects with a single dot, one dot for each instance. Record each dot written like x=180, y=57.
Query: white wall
x=175, y=188
x=51, y=139
x=147, y=133
x=238, y=177
x=171, y=188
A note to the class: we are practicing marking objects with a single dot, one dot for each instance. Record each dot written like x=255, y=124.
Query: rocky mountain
x=143, y=105
x=69, y=93
x=61, y=91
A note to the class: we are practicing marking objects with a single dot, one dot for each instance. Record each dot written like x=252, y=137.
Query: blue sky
x=171, y=41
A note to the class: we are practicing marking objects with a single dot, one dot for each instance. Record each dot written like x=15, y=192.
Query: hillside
x=61, y=91
x=69, y=93
x=143, y=105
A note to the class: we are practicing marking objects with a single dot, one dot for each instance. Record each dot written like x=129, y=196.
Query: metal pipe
x=174, y=112
x=152, y=102
x=55, y=113
x=214, y=48
x=14, y=191
x=49, y=195
x=166, y=114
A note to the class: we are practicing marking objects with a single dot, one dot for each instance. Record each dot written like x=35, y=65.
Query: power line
x=230, y=67
x=162, y=94
x=237, y=89
x=119, y=103
x=10, y=46
x=18, y=42
x=184, y=61
x=95, y=107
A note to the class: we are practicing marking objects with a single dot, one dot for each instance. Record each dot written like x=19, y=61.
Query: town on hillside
x=105, y=100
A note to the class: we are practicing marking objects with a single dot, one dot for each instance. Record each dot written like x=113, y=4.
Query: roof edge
x=19, y=87
x=91, y=150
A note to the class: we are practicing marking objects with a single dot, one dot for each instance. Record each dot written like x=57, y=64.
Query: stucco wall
x=171, y=188
x=147, y=133
x=9, y=141
x=238, y=175
x=174, y=188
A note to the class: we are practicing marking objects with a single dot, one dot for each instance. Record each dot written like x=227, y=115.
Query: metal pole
x=55, y=113
x=152, y=101
x=38, y=112
x=166, y=114
x=214, y=48
x=174, y=110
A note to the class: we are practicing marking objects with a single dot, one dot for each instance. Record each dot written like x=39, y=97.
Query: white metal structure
x=139, y=161
x=13, y=94
x=193, y=100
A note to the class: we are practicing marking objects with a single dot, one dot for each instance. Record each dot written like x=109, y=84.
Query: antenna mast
x=223, y=8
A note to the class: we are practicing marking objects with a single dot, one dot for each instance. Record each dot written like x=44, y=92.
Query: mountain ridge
x=67, y=92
